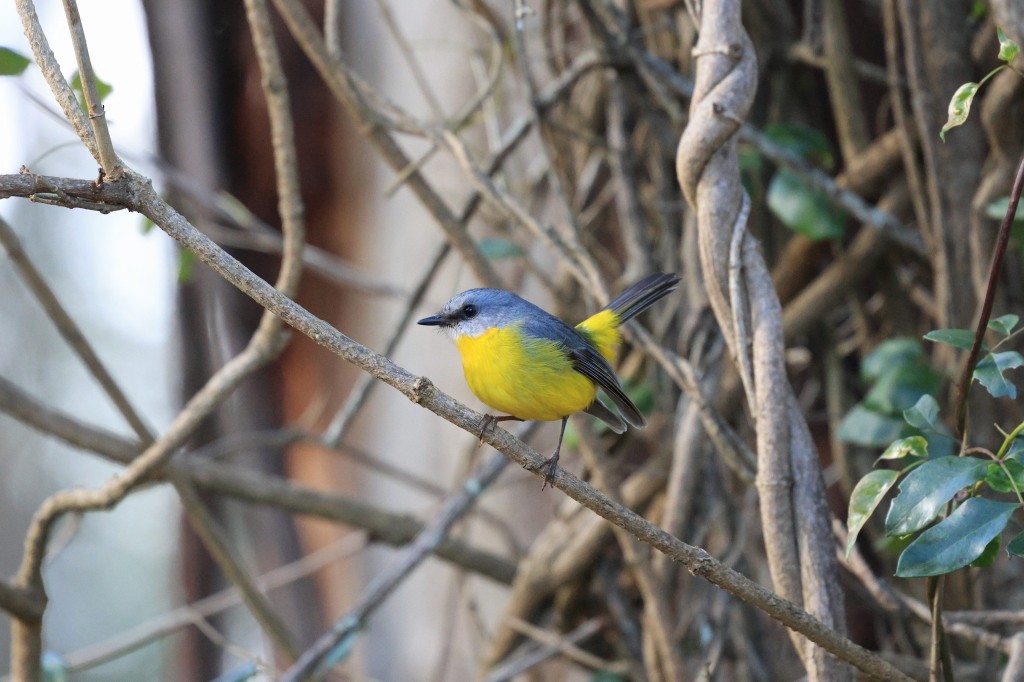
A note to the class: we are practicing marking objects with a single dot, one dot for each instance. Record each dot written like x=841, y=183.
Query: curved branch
x=794, y=514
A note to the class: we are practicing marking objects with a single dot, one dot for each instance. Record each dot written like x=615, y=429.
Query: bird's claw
x=550, y=469
x=486, y=424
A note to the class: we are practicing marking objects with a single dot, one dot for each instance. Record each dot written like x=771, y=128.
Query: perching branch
x=135, y=193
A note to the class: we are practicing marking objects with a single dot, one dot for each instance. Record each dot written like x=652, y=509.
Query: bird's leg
x=550, y=467
x=489, y=420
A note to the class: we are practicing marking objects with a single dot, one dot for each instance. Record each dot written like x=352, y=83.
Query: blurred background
x=573, y=109
x=162, y=324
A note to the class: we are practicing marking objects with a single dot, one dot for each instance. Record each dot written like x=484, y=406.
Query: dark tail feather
x=641, y=295
x=613, y=420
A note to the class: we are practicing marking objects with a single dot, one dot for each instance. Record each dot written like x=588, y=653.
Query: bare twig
x=21, y=603
x=665, y=661
x=97, y=115
x=69, y=329
x=216, y=541
x=50, y=69
x=329, y=648
x=535, y=656
x=344, y=84
x=1002, y=240
x=253, y=487
x=168, y=623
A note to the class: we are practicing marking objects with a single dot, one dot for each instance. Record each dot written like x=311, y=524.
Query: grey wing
x=588, y=362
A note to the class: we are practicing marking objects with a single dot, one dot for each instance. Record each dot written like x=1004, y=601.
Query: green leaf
x=1004, y=324
x=607, y=676
x=926, y=489
x=244, y=672
x=641, y=394
x=750, y=160
x=1007, y=48
x=864, y=499
x=998, y=208
x=988, y=556
x=941, y=445
x=12, y=63
x=958, y=338
x=102, y=88
x=803, y=209
x=1016, y=450
x=1006, y=480
x=888, y=355
x=989, y=373
x=862, y=426
x=959, y=107
x=809, y=143
x=186, y=265
x=1016, y=545
x=751, y=166
x=495, y=249
x=901, y=387
x=924, y=414
x=915, y=446
x=53, y=667
x=957, y=541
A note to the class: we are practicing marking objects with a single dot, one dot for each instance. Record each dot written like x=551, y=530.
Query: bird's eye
x=469, y=310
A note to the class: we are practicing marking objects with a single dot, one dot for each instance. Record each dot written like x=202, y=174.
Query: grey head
x=474, y=311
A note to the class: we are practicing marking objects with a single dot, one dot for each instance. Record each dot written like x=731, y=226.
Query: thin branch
x=218, y=544
x=537, y=655
x=343, y=83
x=330, y=647
x=282, y=136
x=97, y=115
x=253, y=487
x=51, y=71
x=658, y=615
x=69, y=329
x=256, y=235
x=639, y=260
x=568, y=648
x=998, y=254
x=852, y=203
x=168, y=623
x=365, y=385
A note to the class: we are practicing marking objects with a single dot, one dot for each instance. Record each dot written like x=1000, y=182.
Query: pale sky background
x=118, y=284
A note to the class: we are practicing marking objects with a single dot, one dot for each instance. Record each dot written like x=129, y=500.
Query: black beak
x=434, y=321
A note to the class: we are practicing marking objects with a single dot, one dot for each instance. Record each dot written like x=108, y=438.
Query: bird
x=529, y=365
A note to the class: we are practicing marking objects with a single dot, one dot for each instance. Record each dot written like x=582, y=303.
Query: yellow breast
x=531, y=379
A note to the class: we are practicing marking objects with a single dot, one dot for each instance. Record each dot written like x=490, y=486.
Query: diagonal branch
x=69, y=329
x=253, y=487
x=333, y=645
x=90, y=90
x=136, y=193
